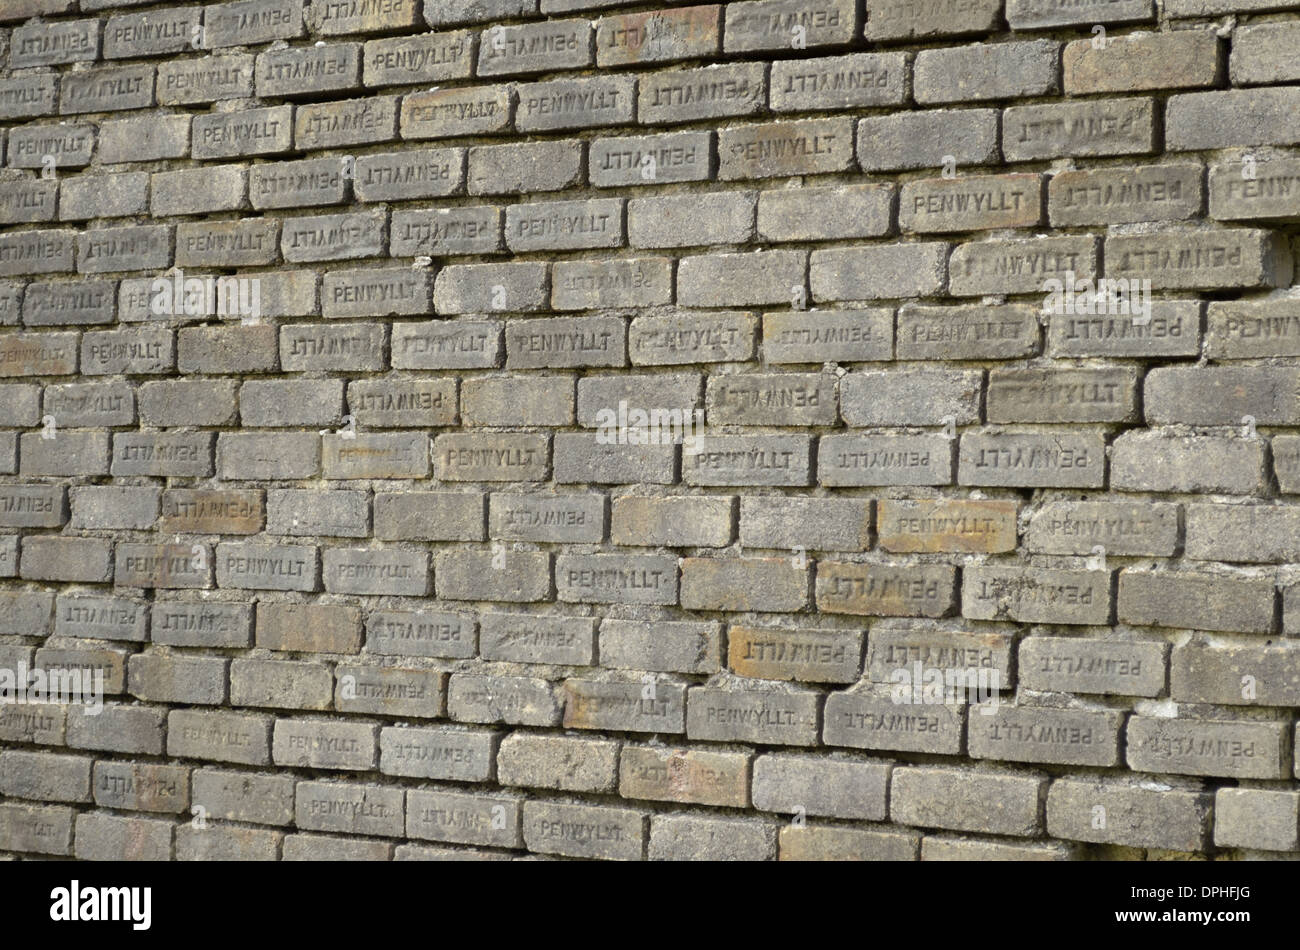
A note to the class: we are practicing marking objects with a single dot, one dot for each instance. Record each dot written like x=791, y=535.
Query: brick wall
x=373, y=567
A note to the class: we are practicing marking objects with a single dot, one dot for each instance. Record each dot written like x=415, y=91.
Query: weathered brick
x=650, y=159
x=565, y=763
x=280, y=684
x=878, y=271
x=575, y=104
x=264, y=131
x=1205, y=747
x=885, y=590
x=710, y=92
x=1228, y=258
x=1032, y=459
x=310, y=70
x=969, y=800
x=782, y=149
x=990, y=71
x=584, y=831
x=771, y=24
x=1256, y=818
x=696, y=776
x=761, y=716
x=1178, y=60
x=1193, y=599
x=1075, y=527
x=1159, y=460
x=921, y=397
x=935, y=525
x=1067, y=129
x=1231, y=119
x=885, y=460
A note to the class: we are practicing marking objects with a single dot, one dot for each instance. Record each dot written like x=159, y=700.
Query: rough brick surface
x=485, y=429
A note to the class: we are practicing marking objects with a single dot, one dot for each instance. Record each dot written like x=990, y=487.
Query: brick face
x=602, y=429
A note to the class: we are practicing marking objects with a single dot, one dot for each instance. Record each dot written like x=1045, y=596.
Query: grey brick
x=444, y=752
x=315, y=181
x=770, y=24
x=1196, y=599
x=546, y=517
x=106, y=89
x=584, y=831
x=1047, y=14
x=430, y=516
x=670, y=646
x=335, y=237
x=1256, y=818
x=204, y=80
x=886, y=589
x=107, y=196
x=281, y=684
x=781, y=149
x=710, y=92
x=653, y=521
x=576, y=104
x=201, y=624
x=445, y=815
x=351, y=808
x=988, y=71
x=219, y=736
x=271, y=455
x=1158, y=460
x=311, y=70
x=565, y=225
x=748, y=460
x=1231, y=119
x=446, y=113
x=565, y=763
x=428, y=58
x=764, y=717
x=650, y=159
x=700, y=838
x=155, y=33
x=523, y=577
x=840, y=82
x=245, y=243
x=70, y=145
x=823, y=214
x=420, y=633
x=1020, y=266
x=106, y=837
x=921, y=397
x=968, y=800
x=804, y=784
x=350, y=122
x=258, y=566
x=1204, y=747
x=491, y=697
x=878, y=271
x=754, y=278
x=144, y=139
x=693, y=220
x=1227, y=258
x=1122, y=528
x=547, y=46
x=901, y=20
x=264, y=131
